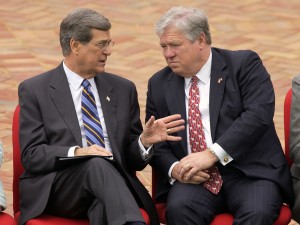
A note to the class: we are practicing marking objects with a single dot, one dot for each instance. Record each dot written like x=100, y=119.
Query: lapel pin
x=220, y=80
x=108, y=98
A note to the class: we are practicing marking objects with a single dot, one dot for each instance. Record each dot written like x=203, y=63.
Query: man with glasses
x=81, y=136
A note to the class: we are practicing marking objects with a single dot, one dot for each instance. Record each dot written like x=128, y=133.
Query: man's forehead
x=172, y=38
x=100, y=34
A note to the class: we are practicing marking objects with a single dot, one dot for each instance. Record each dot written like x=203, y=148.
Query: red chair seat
x=45, y=219
x=220, y=219
x=6, y=219
x=226, y=218
x=48, y=219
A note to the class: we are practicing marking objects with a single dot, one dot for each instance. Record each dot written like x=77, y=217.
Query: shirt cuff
x=71, y=152
x=146, y=153
x=224, y=157
x=171, y=179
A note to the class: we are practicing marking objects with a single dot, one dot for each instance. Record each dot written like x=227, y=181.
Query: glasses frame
x=105, y=44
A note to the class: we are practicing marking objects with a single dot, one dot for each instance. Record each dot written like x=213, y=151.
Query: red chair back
x=17, y=166
x=287, y=118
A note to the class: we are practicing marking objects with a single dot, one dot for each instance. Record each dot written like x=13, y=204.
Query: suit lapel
x=61, y=95
x=175, y=98
x=217, y=86
x=108, y=101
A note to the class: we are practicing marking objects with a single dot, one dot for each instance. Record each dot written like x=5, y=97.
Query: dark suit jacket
x=241, y=107
x=295, y=145
x=49, y=127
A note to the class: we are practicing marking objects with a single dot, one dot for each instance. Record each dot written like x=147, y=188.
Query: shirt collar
x=204, y=73
x=75, y=80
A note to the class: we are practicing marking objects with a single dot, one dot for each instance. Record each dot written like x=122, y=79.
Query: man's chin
x=100, y=69
x=175, y=69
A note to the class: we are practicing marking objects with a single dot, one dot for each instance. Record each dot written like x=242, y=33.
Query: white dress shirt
x=204, y=90
x=75, y=82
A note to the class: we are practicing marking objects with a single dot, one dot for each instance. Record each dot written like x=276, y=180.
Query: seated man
x=295, y=145
x=230, y=157
x=77, y=109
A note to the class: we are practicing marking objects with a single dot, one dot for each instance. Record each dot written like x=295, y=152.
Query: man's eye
x=174, y=44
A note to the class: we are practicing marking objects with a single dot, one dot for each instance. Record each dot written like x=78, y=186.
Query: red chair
x=286, y=116
x=6, y=219
x=221, y=219
x=18, y=169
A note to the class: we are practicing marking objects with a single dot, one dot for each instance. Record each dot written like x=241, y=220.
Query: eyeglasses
x=104, y=45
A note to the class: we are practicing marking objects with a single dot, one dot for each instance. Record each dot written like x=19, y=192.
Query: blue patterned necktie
x=90, y=117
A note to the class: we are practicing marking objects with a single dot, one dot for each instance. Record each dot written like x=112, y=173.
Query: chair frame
x=287, y=122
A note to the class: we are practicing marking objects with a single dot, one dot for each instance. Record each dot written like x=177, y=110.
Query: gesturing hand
x=160, y=130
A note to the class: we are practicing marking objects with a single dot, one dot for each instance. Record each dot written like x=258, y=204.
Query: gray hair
x=78, y=25
x=191, y=22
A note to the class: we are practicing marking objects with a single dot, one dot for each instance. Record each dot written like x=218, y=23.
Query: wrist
x=213, y=154
x=144, y=142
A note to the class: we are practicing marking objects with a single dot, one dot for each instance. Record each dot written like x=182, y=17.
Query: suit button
x=225, y=159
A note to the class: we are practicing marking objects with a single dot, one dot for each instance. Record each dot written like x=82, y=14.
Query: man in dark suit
x=53, y=125
x=230, y=157
x=295, y=145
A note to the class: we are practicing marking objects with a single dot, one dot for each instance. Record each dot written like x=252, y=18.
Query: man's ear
x=75, y=46
x=201, y=40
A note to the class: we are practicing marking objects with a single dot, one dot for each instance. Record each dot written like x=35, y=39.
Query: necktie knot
x=195, y=80
x=85, y=83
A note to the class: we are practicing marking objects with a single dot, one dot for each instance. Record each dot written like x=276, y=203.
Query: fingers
x=174, y=129
x=183, y=169
x=174, y=123
x=150, y=122
x=198, y=178
x=97, y=150
x=171, y=118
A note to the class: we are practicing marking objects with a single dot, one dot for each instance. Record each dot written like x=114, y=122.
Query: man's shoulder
x=236, y=55
x=233, y=53
x=162, y=74
x=40, y=78
x=296, y=79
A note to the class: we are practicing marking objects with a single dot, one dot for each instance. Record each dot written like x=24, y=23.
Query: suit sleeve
x=295, y=122
x=133, y=156
x=156, y=106
x=247, y=111
x=37, y=154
